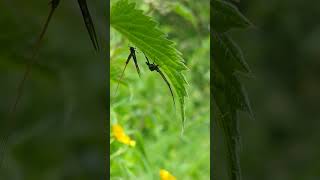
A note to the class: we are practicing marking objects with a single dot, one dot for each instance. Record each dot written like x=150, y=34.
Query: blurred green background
x=59, y=126
x=284, y=54
x=144, y=107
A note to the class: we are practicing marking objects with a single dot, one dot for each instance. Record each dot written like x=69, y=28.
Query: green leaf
x=142, y=31
x=184, y=12
x=225, y=16
x=225, y=90
x=229, y=96
x=228, y=55
x=233, y=93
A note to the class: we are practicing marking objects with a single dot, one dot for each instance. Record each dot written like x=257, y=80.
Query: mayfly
x=154, y=67
x=131, y=55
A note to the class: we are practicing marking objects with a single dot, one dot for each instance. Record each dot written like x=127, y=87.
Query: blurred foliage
x=283, y=53
x=144, y=108
x=57, y=132
x=228, y=94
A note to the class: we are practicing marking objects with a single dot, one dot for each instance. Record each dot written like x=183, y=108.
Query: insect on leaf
x=142, y=31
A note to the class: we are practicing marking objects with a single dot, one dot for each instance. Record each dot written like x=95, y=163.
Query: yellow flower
x=165, y=175
x=121, y=136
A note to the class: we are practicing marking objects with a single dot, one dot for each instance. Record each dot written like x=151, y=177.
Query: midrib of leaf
x=142, y=31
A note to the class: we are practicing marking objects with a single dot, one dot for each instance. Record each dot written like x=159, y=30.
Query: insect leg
x=146, y=58
x=128, y=59
x=136, y=63
x=54, y=4
x=89, y=24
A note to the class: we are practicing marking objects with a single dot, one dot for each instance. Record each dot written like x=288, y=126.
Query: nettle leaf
x=228, y=54
x=235, y=95
x=226, y=16
x=142, y=31
x=226, y=97
x=229, y=96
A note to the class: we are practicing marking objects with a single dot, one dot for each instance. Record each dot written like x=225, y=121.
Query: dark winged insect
x=131, y=55
x=154, y=67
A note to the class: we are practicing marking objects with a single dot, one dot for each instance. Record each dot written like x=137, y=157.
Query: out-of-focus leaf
x=226, y=16
x=226, y=96
x=228, y=93
x=234, y=93
x=228, y=55
x=184, y=12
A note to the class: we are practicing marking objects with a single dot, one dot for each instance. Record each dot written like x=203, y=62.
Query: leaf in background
x=228, y=93
x=228, y=54
x=229, y=85
x=184, y=12
x=226, y=16
x=143, y=32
